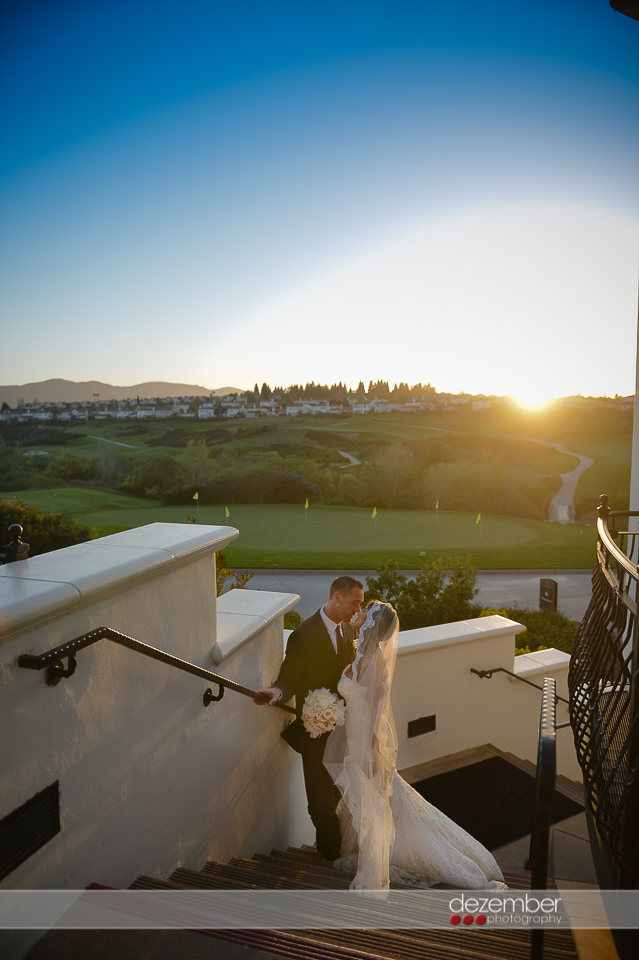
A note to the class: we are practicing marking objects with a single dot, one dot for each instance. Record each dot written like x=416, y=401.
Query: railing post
x=14, y=550
x=544, y=794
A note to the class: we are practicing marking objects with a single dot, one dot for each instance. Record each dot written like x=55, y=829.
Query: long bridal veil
x=361, y=756
x=387, y=827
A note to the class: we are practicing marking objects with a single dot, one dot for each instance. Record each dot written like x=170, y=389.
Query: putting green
x=325, y=537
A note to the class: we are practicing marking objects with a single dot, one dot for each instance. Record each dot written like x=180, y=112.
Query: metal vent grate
x=28, y=828
x=422, y=725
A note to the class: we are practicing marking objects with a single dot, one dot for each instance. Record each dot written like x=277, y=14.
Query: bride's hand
x=358, y=622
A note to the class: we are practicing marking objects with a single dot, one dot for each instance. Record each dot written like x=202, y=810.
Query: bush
x=256, y=477
x=442, y=592
x=544, y=628
x=33, y=435
x=153, y=476
x=494, y=487
x=227, y=579
x=18, y=472
x=43, y=532
x=292, y=619
x=69, y=467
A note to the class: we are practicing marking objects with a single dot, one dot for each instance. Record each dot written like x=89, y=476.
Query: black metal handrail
x=604, y=702
x=52, y=661
x=487, y=674
x=544, y=795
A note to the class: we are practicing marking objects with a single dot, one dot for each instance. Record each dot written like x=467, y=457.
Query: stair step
x=152, y=883
x=270, y=876
x=569, y=788
x=323, y=873
x=214, y=880
x=324, y=868
x=302, y=868
x=304, y=876
x=404, y=945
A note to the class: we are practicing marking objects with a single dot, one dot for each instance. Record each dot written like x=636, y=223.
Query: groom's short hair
x=344, y=585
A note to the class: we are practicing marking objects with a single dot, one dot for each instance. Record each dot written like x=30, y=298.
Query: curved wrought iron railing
x=604, y=708
x=53, y=662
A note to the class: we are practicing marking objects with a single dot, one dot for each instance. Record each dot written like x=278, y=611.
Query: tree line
x=459, y=473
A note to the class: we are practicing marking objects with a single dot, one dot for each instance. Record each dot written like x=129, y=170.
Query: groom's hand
x=271, y=695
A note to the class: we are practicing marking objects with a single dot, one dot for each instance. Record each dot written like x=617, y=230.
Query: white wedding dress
x=389, y=832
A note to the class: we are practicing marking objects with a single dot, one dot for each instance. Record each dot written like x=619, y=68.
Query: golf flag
x=436, y=504
x=227, y=511
x=478, y=520
x=196, y=496
x=374, y=514
x=306, y=504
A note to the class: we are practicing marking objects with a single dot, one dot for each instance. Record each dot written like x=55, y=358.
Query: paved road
x=495, y=589
x=562, y=509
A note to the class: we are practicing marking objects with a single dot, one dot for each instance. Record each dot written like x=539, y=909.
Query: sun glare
x=533, y=399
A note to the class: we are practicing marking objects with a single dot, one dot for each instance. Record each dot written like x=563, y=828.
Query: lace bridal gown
x=389, y=832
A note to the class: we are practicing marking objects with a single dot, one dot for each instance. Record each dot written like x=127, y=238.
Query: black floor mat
x=493, y=800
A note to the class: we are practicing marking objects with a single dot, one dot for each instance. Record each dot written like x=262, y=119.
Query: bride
x=389, y=832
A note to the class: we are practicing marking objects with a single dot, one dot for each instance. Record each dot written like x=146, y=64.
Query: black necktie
x=339, y=636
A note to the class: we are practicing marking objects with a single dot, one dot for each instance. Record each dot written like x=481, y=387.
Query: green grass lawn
x=338, y=537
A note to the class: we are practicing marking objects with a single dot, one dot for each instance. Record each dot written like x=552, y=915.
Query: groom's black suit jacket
x=310, y=663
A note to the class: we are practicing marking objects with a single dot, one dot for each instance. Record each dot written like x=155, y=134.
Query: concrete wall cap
x=463, y=631
x=242, y=614
x=540, y=662
x=40, y=589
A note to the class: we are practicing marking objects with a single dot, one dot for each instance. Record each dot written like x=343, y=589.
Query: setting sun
x=534, y=399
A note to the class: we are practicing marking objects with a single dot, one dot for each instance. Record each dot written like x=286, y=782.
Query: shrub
x=227, y=579
x=544, y=628
x=292, y=619
x=69, y=467
x=441, y=592
x=43, y=532
x=18, y=472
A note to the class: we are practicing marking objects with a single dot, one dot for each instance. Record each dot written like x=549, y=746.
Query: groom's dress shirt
x=331, y=626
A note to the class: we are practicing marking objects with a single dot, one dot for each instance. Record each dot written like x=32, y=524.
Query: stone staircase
x=301, y=868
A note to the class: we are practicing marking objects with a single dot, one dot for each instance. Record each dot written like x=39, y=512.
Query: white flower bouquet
x=322, y=711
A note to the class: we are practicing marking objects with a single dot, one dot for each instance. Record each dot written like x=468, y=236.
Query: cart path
x=116, y=442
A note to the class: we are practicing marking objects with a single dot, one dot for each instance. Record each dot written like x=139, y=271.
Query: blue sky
x=219, y=193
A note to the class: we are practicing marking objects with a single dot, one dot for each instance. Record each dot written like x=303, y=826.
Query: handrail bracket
x=209, y=697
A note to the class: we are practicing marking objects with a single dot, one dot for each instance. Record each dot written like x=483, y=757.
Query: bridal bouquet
x=322, y=711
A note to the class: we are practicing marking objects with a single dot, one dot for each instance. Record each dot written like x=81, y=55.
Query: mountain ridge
x=58, y=390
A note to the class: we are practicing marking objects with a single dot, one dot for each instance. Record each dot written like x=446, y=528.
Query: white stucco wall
x=149, y=777
x=433, y=677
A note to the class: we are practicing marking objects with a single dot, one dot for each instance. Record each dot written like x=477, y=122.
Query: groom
x=316, y=654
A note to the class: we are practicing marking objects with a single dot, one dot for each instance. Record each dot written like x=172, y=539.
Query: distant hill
x=67, y=391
